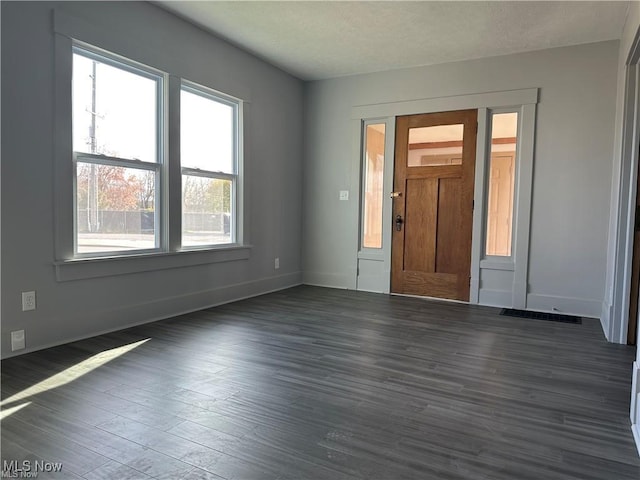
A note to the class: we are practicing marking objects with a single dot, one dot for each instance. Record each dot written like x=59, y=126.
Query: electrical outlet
x=276, y=264
x=17, y=340
x=28, y=301
x=344, y=194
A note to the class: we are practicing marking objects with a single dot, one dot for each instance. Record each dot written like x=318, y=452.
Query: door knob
x=399, y=222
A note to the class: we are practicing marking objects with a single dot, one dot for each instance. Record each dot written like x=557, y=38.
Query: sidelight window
x=374, y=141
x=502, y=167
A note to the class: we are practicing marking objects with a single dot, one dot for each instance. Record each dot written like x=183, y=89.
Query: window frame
x=366, y=123
x=158, y=167
x=485, y=257
x=515, y=270
x=236, y=105
x=68, y=31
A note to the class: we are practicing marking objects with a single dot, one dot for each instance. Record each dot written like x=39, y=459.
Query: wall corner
x=605, y=319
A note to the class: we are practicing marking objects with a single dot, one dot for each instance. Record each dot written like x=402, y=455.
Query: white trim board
x=325, y=279
x=623, y=194
x=582, y=307
x=522, y=101
x=635, y=429
x=508, y=98
x=383, y=255
x=480, y=184
x=605, y=317
x=79, y=269
x=178, y=305
x=634, y=412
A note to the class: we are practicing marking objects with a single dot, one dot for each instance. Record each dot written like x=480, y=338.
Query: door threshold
x=424, y=297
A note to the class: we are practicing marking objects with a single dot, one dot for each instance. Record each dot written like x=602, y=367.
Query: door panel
x=437, y=284
x=449, y=200
x=421, y=225
x=434, y=175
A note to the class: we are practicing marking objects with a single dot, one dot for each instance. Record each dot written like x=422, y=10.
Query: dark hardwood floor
x=313, y=383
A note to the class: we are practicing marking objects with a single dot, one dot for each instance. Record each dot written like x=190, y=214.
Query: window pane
x=373, y=194
x=435, y=146
x=504, y=131
x=114, y=111
x=206, y=133
x=206, y=211
x=115, y=208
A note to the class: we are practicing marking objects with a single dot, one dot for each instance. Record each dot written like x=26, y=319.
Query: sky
x=126, y=119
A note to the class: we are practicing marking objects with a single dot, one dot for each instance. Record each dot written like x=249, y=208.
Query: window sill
x=82, y=268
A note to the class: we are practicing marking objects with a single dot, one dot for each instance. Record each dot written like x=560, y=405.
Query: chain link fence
x=143, y=221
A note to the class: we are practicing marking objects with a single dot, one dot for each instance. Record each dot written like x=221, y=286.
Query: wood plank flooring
x=314, y=383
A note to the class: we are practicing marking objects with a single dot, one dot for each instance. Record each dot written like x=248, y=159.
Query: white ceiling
x=324, y=39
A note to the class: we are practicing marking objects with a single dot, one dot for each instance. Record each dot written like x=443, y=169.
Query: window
x=373, y=181
x=502, y=165
x=208, y=153
x=435, y=146
x=123, y=190
x=117, y=155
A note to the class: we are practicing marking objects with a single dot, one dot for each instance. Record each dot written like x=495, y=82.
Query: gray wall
x=75, y=309
x=572, y=164
x=571, y=191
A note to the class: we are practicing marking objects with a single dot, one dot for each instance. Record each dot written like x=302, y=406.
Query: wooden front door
x=433, y=204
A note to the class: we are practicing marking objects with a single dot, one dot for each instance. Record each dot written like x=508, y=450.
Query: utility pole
x=92, y=190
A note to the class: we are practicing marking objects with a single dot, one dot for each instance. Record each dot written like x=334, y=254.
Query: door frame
x=524, y=101
x=615, y=311
x=634, y=290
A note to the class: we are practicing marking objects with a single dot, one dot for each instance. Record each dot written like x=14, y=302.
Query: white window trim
x=378, y=256
x=370, y=251
x=69, y=31
x=158, y=167
x=523, y=101
x=234, y=177
x=518, y=262
x=500, y=262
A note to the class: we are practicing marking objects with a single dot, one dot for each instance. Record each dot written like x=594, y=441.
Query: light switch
x=344, y=194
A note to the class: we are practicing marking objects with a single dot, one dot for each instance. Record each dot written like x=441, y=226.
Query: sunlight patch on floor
x=70, y=374
x=11, y=410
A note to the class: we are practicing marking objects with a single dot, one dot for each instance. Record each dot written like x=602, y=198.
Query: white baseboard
x=583, y=307
x=605, y=319
x=331, y=280
x=147, y=312
x=634, y=412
